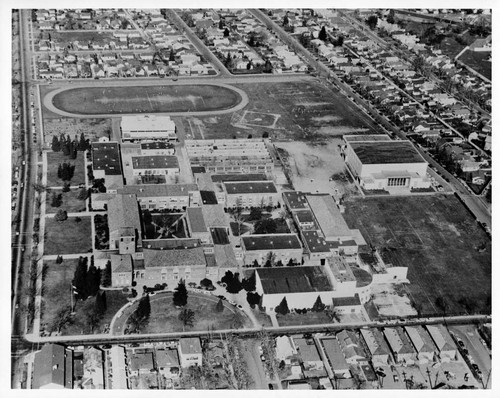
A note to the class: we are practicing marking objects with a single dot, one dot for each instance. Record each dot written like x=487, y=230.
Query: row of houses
x=56, y=366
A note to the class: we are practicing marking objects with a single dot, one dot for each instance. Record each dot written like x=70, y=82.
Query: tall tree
x=186, y=316
x=56, y=199
x=61, y=215
x=219, y=307
x=249, y=283
x=106, y=275
x=180, y=295
x=372, y=21
x=390, y=17
x=93, y=280
x=286, y=20
x=100, y=302
x=253, y=299
x=141, y=315
x=322, y=34
x=221, y=25
x=62, y=319
x=318, y=305
x=80, y=279
x=282, y=308
x=226, y=32
x=56, y=145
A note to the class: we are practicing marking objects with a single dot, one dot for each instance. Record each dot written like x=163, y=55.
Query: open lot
x=66, y=38
x=164, y=315
x=92, y=128
x=146, y=99
x=70, y=201
x=299, y=110
x=67, y=237
x=54, y=159
x=437, y=239
x=317, y=168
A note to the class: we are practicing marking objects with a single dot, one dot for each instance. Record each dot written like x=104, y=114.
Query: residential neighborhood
x=251, y=199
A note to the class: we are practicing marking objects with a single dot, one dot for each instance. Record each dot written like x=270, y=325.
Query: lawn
x=436, y=238
x=56, y=295
x=54, y=159
x=307, y=110
x=164, y=315
x=310, y=318
x=166, y=226
x=478, y=61
x=67, y=237
x=146, y=99
x=70, y=201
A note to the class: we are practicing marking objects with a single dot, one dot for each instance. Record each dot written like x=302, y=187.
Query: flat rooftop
x=106, y=156
x=296, y=200
x=236, y=188
x=159, y=190
x=143, y=123
x=155, y=162
x=386, y=152
x=156, y=145
x=271, y=242
x=294, y=280
x=238, y=177
x=328, y=216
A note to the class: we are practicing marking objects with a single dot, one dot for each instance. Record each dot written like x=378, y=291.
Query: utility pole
x=429, y=376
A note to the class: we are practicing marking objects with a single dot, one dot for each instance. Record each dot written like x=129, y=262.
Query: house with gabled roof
x=351, y=347
x=377, y=346
x=400, y=345
x=444, y=342
x=422, y=342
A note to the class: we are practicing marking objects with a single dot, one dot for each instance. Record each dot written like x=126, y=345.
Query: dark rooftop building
x=155, y=162
x=346, y=301
x=236, y=188
x=271, y=242
x=106, y=156
x=314, y=242
x=386, y=152
x=208, y=197
x=156, y=145
x=198, y=169
x=293, y=280
x=53, y=367
x=238, y=177
x=295, y=200
x=219, y=236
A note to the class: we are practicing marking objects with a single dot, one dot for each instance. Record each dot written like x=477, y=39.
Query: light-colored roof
x=121, y=263
x=215, y=216
x=191, y=345
x=284, y=347
x=123, y=211
x=167, y=358
x=399, y=343
x=375, y=341
x=159, y=190
x=334, y=354
x=328, y=216
x=308, y=352
x=141, y=361
x=441, y=337
x=421, y=340
x=174, y=257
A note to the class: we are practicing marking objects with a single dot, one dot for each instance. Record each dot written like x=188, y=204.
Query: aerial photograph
x=251, y=199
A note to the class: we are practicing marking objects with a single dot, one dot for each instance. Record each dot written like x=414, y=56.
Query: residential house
x=422, y=341
x=312, y=363
x=167, y=361
x=351, y=347
x=377, y=346
x=400, y=345
x=190, y=352
x=443, y=341
x=335, y=357
x=140, y=362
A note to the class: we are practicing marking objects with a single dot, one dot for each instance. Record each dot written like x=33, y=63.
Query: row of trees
x=87, y=279
x=68, y=146
x=283, y=309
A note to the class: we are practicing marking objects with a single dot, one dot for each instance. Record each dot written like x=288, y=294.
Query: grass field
x=54, y=159
x=71, y=203
x=478, y=61
x=146, y=99
x=56, y=295
x=67, y=237
x=307, y=110
x=311, y=318
x=164, y=315
x=436, y=238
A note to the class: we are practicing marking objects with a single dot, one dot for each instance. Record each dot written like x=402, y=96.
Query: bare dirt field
x=447, y=253
x=92, y=128
x=317, y=167
x=300, y=110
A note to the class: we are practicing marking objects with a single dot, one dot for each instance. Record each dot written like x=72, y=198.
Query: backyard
x=54, y=159
x=447, y=253
x=67, y=237
x=164, y=315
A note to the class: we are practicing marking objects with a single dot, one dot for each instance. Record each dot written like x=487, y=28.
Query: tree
x=146, y=217
x=61, y=215
x=83, y=194
x=249, y=283
x=100, y=302
x=62, y=319
x=221, y=24
x=59, y=259
x=390, y=17
x=282, y=308
x=140, y=317
x=206, y=283
x=290, y=263
x=372, y=21
x=171, y=56
x=219, y=307
x=340, y=41
x=255, y=214
x=56, y=145
x=253, y=299
x=266, y=226
x=265, y=134
x=66, y=146
x=322, y=34
x=180, y=295
x=106, y=275
x=226, y=32
x=286, y=21
x=93, y=280
x=256, y=263
x=80, y=279
x=232, y=281
x=268, y=67
x=442, y=304
x=318, y=305
x=66, y=187
x=56, y=200
x=186, y=316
